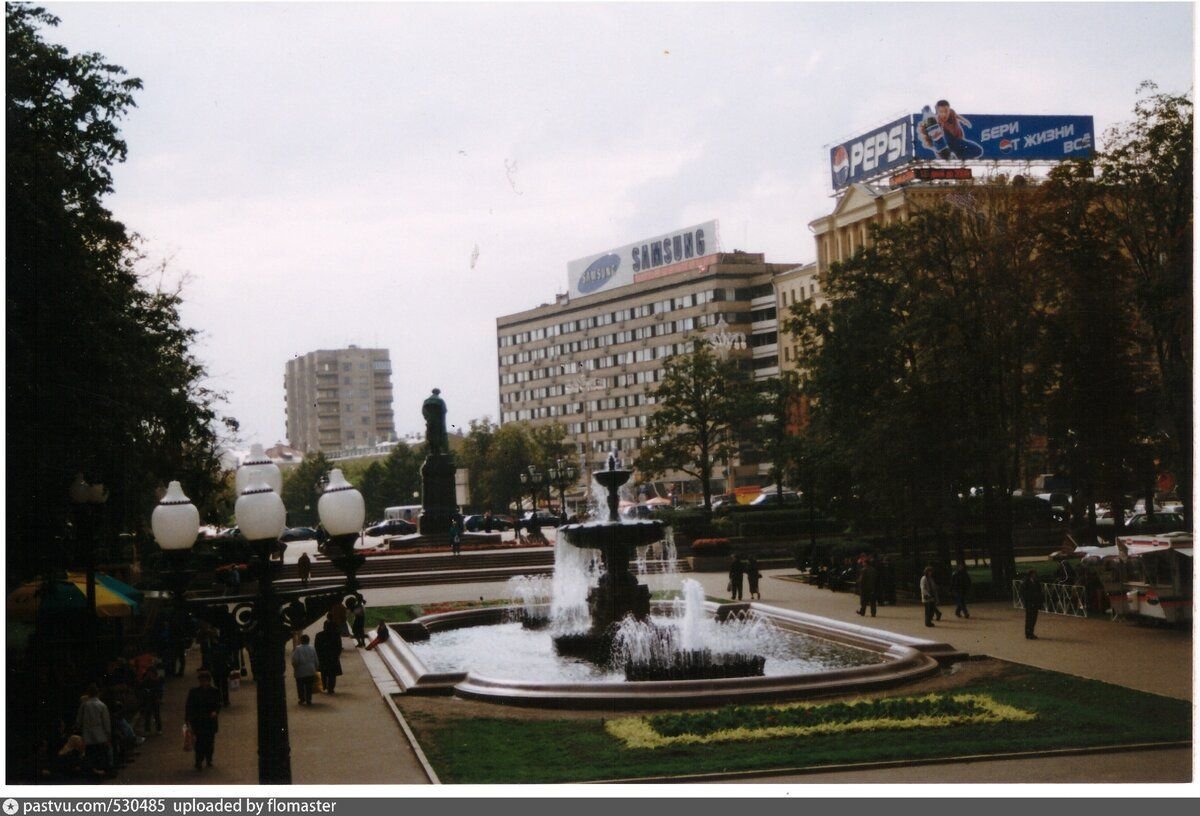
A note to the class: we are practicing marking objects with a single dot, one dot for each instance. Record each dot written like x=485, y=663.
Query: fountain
x=578, y=640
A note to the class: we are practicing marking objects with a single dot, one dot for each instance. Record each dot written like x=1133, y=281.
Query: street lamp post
x=561, y=475
x=86, y=499
x=261, y=517
x=533, y=478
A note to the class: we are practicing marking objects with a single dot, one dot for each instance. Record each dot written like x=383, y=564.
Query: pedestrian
x=382, y=633
x=752, y=576
x=304, y=669
x=150, y=696
x=328, y=646
x=1031, y=598
x=929, y=596
x=200, y=715
x=736, y=571
x=960, y=587
x=358, y=621
x=339, y=614
x=455, y=537
x=868, y=587
x=95, y=726
x=487, y=521
x=304, y=568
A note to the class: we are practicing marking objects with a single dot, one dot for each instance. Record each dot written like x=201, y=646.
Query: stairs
x=443, y=568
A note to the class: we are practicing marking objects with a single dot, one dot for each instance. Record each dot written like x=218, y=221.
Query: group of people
x=320, y=659
x=748, y=570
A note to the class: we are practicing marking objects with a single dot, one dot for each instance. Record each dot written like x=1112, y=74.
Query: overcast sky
x=325, y=174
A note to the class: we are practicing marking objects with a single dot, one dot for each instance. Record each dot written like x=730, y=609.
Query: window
x=347, y=366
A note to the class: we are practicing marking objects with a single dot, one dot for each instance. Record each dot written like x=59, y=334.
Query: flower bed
x=745, y=723
x=706, y=547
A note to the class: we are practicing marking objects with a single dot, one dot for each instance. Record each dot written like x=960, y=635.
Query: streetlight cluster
x=261, y=518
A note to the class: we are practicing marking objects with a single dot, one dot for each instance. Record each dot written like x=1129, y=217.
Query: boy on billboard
x=942, y=133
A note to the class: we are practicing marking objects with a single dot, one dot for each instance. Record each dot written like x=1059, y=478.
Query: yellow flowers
x=808, y=719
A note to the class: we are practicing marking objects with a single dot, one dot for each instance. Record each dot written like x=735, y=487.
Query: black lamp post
x=261, y=517
x=86, y=499
x=534, y=479
x=561, y=475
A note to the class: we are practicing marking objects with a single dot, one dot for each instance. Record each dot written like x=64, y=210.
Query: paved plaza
x=354, y=737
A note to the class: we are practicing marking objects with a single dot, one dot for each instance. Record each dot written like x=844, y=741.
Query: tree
x=1146, y=178
x=302, y=486
x=700, y=406
x=101, y=378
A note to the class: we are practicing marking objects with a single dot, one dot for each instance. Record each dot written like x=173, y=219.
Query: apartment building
x=338, y=399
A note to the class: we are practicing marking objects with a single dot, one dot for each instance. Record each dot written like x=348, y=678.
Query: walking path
x=354, y=738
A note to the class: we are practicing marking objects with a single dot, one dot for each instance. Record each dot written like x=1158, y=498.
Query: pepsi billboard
x=942, y=133
x=872, y=154
x=939, y=133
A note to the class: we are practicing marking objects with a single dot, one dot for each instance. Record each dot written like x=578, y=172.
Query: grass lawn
x=1068, y=712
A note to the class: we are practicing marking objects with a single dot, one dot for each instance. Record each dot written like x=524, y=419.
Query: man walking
x=200, y=713
x=868, y=587
x=1031, y=598
x=736, y=572
x=960, y=585
x=929, y=597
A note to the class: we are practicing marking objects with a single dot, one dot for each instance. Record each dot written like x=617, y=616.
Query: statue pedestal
x=438, y=503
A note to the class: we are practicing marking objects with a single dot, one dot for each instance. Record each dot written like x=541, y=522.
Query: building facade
x=338, y=399
x=590, y=362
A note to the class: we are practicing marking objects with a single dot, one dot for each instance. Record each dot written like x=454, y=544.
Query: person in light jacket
x=929, y=597
x=304, y=669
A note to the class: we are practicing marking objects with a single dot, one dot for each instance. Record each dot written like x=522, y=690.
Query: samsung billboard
x=939, y=132
x=616, y=267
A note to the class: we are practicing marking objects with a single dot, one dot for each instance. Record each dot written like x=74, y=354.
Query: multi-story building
x=338, y=399
x=590, y=360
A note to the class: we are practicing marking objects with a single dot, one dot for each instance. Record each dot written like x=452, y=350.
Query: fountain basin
x=898, y=659
x=613, y=535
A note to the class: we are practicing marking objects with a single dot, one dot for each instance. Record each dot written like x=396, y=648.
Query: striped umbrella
x=59, y=597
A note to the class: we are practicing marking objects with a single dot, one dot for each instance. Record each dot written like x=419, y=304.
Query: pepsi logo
x=1008, y=145
x=841, y=165
x=598, y=273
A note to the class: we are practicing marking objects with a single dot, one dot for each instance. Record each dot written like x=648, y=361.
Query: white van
x=408, y=512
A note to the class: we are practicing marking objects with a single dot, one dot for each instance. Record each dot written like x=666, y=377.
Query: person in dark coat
x=736, y=572
x=382, y=633
x=304, y=568
x=868, y=587
x=200, y=713
x=752, y=576
x=329, y=655
x=358, y=621
x=1031, y=598
x=960, y=587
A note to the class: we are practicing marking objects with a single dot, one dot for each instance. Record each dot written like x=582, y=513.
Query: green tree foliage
x=100, y=374
x=302, y=486
x=702, y=406
x=1146, y=180
x=495, y=457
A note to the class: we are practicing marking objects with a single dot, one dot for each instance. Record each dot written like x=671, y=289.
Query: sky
x=399, y=175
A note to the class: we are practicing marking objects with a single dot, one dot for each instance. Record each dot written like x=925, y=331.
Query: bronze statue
x=434, y=411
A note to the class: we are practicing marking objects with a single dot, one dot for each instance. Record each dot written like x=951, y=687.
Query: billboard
x=939, y=132
x=872, y=154
x=942, y=133
x=616, y=267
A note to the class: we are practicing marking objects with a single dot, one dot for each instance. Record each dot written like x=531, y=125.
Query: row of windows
x=805, y=293
x=764, y=339
x=609, y=318
x=600, y=363
x=685, y=324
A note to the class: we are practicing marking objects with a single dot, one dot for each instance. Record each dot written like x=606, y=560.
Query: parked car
x=298, y=534
x=543, y=518
x=1143, y=524
x=772, y=499
x=392, y=527
x=476, y=523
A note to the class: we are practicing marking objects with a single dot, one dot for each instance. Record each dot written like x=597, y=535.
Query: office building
x=590, y=360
